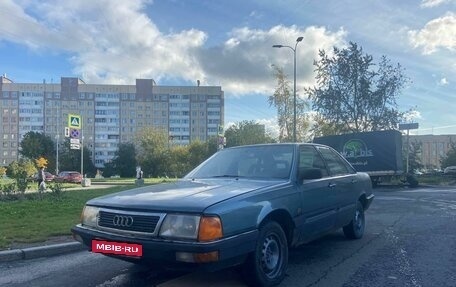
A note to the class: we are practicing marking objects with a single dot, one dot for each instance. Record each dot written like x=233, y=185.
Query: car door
x=318, y=197
x=343, y=182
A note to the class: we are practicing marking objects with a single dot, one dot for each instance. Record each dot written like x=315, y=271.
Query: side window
x=310, y=158
x=335, y=163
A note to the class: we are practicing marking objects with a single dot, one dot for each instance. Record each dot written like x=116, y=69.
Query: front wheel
x=355, y=229
x=267, y=265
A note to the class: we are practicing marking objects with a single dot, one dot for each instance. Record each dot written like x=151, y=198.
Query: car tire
x=267, y=265
x=355, y=229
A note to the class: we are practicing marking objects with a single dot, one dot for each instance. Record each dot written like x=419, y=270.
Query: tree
x=177, y=159
x=35, y=145
x=70, y=159
x=152, y=146
x=353, y=96
x=2, y=171
x=415, y=150
x=198, y=152
x=212, y=145
x=450, y=158
x=20, y=171
x=124, y=162
x=283, y=101
x=246, y=132
x=41, y=162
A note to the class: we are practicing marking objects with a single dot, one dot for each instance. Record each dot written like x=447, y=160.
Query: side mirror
x=310, y=173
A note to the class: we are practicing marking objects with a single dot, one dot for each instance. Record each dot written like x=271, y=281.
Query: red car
x=48, y=176
x=69, y=176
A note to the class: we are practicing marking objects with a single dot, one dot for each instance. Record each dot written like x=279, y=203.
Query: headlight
x=205, y=228
x=180, y=226
x=89, y=216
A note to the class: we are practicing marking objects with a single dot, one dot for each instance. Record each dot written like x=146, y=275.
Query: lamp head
x=277, y=46
x=299, y=39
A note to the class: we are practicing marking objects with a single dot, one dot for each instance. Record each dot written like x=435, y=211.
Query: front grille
x=141, y=223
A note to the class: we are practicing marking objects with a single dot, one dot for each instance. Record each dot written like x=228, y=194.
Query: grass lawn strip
x=35, y=220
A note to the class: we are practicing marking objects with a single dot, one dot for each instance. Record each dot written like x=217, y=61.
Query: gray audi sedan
x=243, y=206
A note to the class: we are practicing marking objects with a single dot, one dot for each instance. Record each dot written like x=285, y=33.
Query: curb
x=40, y=251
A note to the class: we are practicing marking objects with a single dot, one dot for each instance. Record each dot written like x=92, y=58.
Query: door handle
x=332, y=185
x=354, y=181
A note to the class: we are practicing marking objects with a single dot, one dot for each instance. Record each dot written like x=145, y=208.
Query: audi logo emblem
x=122, y=220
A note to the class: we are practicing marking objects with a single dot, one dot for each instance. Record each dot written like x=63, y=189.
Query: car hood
x=181, y=196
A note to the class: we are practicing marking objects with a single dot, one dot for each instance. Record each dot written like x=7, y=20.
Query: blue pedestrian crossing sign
x=74, y=121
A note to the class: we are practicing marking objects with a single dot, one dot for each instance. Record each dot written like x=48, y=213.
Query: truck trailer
x=378, y=153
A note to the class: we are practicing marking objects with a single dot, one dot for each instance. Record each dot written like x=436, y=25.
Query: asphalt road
x=410, y=240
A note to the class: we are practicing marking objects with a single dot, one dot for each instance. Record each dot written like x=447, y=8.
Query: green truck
x=378, y=153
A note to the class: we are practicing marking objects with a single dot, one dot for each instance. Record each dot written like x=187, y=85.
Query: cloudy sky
x=229, y=43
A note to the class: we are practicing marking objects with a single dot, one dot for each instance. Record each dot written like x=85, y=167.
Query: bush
x=8, y=188
x=413, y=182
x=56, y=188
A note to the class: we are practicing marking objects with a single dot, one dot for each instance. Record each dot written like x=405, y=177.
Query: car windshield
x=261, y=162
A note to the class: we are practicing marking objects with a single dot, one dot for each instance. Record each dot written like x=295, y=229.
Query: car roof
x=276, y=144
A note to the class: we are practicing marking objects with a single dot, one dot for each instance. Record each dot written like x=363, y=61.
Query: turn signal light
x=210, y=228
x=197, y=257
x=206, y=257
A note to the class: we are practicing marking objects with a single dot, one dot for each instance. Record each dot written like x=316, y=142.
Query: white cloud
x=271, y=126
x=116, y=42
x=243, y=63
x=412, y=116
x=110, y=41
x=437, y=34
x=433, y=3
x=443, y=82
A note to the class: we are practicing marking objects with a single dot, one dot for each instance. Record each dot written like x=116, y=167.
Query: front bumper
x=231, y=251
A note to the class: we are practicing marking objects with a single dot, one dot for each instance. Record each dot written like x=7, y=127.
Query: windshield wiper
x=228, y=176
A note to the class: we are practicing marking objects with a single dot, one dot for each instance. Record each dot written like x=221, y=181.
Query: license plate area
x=118, y=248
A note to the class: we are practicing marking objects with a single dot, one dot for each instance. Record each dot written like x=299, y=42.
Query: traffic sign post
x=75, y=131
x=408, y=127
x=74, y=121
x=75, y=146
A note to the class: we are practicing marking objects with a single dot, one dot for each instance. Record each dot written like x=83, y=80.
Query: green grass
x=444, y=180
x=34, y=217
x=38, y=217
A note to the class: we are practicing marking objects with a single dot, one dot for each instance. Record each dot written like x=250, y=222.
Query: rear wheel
x=267, y=265
x=355, y=229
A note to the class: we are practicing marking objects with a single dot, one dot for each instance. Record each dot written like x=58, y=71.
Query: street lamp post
x=57, y=137
x=299, y=39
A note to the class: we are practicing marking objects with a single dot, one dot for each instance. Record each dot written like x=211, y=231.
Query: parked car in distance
x=450, y=170
x=69, y=176
x=243, y=206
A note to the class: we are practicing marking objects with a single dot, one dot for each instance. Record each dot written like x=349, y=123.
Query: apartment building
x=111, y=114
x=433, y=148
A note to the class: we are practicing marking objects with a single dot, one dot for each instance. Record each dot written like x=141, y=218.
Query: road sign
x=74, y=121
x=74, y=141
x=74, y=133
x=408, y=126
x=75, y=146
x=220, y=130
